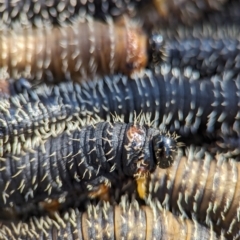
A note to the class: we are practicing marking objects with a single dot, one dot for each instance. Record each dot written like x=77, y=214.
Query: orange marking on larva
x=52, y=206
x=102, y=193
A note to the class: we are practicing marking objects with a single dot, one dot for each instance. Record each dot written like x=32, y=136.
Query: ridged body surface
x=83, y=161
x=59, y=11
x=201, y=188
x=109, y=222
x=85, y=49
x=171, y=99
x=208, y=55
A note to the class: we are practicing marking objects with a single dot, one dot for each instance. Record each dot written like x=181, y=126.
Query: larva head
x=164, y=150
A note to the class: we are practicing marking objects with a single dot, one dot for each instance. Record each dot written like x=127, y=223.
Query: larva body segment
x=207, y=55
x=104, y=221
x=169, y=98
x=57, y=12
x=85, y=49
x=202, y=188
x=86, y=161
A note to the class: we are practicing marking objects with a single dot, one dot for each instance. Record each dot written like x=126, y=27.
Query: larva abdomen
x=204, y=188
x=170, y=98
x=207, y=55
x=85, y=49
x=87, y=161
x=109, y=222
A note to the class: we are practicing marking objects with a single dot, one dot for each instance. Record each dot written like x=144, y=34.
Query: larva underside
x=109, y=222
x=202, y=188
x=87, y=161
x=85, y=49
x=169, y=98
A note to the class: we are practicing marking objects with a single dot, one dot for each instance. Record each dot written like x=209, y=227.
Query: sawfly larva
x=208, y=55
x=169, y=98
x=186, y=10
x=104, y=221
x=84, y=49
x=91, y=160
x=201, y=187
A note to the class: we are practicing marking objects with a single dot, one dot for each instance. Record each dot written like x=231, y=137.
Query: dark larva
x=88, y=160
x=85, y=49
x=201, y=187
x=59, y=11
x=207, y=55
x=169, y=98
x=108, y=222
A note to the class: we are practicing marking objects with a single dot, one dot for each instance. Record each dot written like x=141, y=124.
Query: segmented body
x=208, y=55
x=171, y=99
x=202, y=188
x=108, y=222
x=82, y=161
x=85, y=49
x=59, y=11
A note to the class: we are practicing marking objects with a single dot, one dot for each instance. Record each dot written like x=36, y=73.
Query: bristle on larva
x=186, y=10
x=169, y=99
x=85, y=49
x=88, y=161
x=208, y=55
x=104, y=221
x=57, y=12
x=202, y=188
